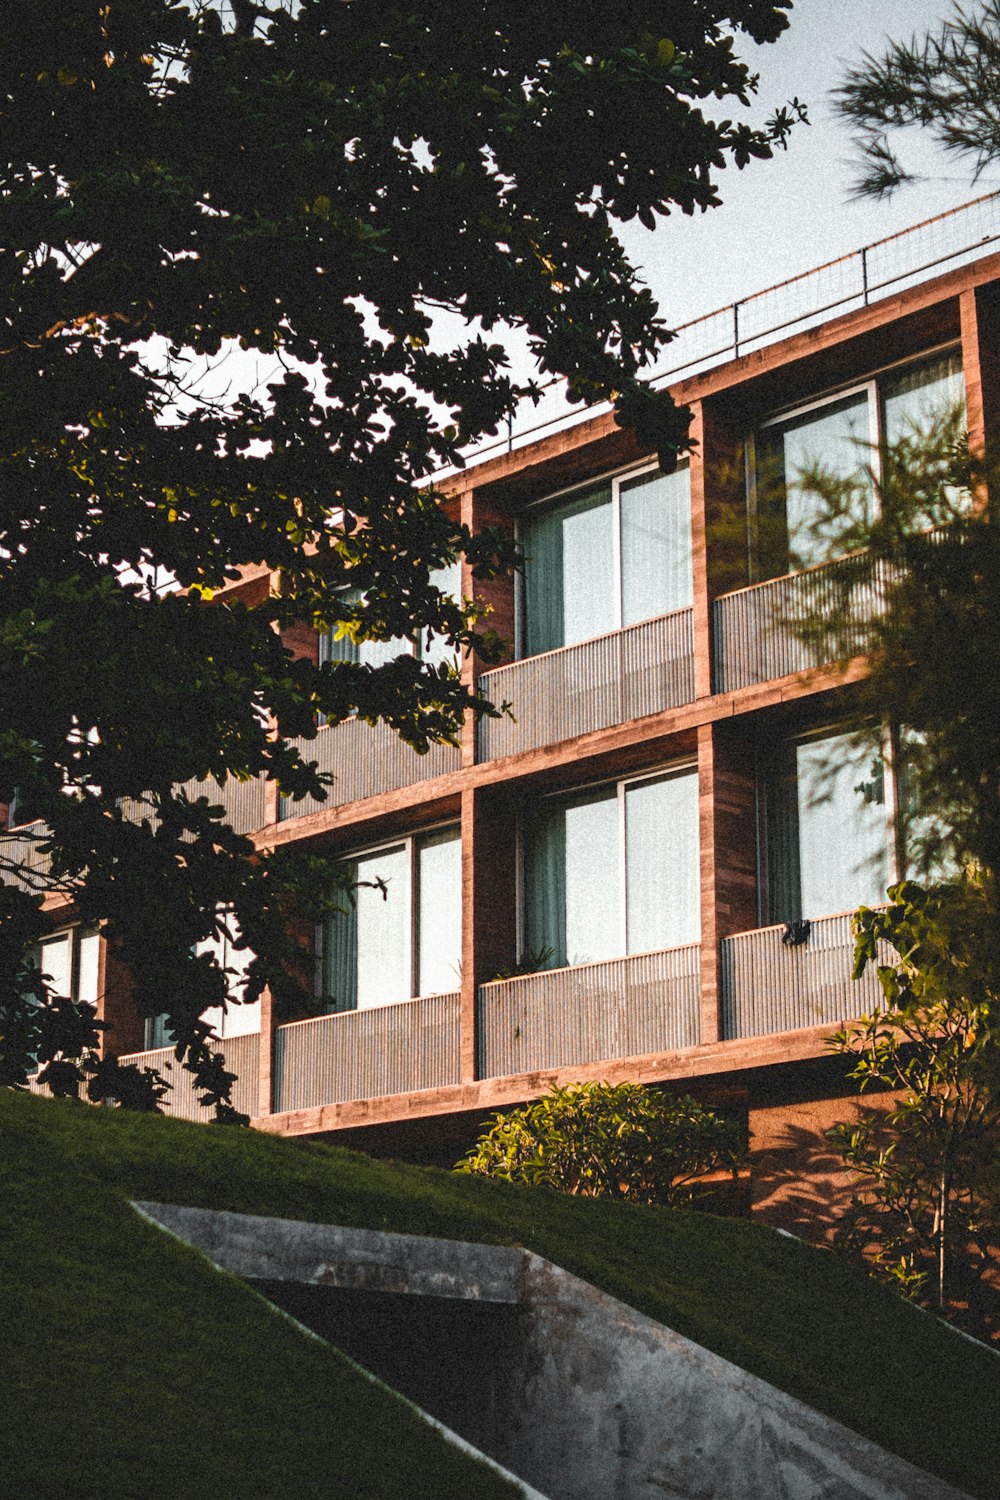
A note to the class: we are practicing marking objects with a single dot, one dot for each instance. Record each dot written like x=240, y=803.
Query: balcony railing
x=367, y=760
x=241, y=1055
x=768, y=986
x=775, y=628
x=363, y=1054
x=242, y=800
x=623, y=1007
x=625, y=675
x=19, y=848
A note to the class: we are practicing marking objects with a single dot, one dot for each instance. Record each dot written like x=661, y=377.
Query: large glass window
x=425, y=645
x=237, y=1019
x=826, y=826
x=71, y=962
x=841, y=436
x=401, y=934
x=606, y=557
x=612, y=870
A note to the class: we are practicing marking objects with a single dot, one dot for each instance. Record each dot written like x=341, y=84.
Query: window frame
x=871, y=385
x=414, y=645
x=409, y=841
x=677, y=767
x=615, y=478
x=764, y=764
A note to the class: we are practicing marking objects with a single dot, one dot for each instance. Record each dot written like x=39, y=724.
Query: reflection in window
x=426, y=646
x=841, y=437
x=237, y=1019
x=401, y=935
x=826, y=826
x=915, y=398
x=606, y=558
x=613, y=871
x=795, y=527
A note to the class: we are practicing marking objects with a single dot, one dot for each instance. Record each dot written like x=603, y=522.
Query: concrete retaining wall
x=597, y=1401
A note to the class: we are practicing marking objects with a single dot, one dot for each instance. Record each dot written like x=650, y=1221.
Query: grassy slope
x=131, y=1369
x=795, y=1316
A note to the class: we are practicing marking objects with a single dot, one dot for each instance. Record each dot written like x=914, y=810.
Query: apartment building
x=646, y=869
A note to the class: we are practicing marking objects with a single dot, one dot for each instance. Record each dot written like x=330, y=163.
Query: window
x=71, y=961
x=827, y=814
x=429, y=648
x=613, y=870
x=606, y=557
x=235, y=1020
x=401, y=935
x=842, y=435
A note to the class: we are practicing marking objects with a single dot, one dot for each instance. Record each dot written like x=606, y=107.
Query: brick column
x=728, y=854
x=489, y=896
x=265, y=1097
x=470, y=666
x=710, y=1017
x=979, y=309
x=699, y=558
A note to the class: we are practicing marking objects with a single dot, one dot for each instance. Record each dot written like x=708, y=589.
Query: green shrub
x=613, y=1141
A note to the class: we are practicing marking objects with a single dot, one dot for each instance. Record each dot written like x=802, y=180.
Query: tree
x=926, y=1212
x=945, y=81
x=917, y=592
x=599, y=1140
x=357, y=193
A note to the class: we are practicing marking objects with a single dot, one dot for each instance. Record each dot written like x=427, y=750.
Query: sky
x=777, y=218
x=795, y=211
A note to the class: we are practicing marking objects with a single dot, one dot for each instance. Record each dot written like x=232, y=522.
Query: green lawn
x=130, y=1357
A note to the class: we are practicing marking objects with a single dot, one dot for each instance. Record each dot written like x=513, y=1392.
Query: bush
x=613, y=1141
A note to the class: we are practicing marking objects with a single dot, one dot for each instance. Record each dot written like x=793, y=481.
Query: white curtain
x=569, y=572
x=435, y=649
x=439, y=912
x=918, y=396
x=661, y=860
x=573, y=879
x=382, y=923
x=843, y=830
x=655, y=545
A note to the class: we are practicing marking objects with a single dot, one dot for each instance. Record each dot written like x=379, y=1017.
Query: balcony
x=362, y=1054
x=769, y=987
x=366, y=760
x=241, y=1055
x=759, y=631
x=560, y=694
x=19, y=848
x=623, y=1007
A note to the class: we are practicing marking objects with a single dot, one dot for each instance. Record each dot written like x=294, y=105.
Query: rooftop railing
x=877, y=270
x=367, y=1054
x=609, y=680
x=622, y=1007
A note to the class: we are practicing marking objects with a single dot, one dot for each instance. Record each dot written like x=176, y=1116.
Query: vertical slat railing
x=768, y=986
x=21, y=859
x=623, y=1007
x=367, y=760
x=241, y=1055
x=773, y=629
x=367, y=1054
x=625, y=675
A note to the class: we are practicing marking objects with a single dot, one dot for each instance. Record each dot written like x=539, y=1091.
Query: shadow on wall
x=798, y=1181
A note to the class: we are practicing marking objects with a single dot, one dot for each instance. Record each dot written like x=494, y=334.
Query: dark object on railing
x=796, y=933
